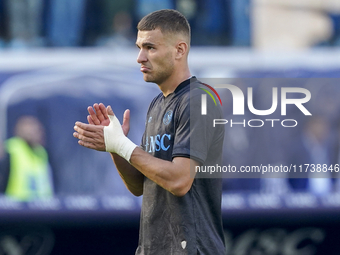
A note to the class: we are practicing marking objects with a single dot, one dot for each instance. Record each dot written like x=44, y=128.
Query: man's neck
x=170, y=85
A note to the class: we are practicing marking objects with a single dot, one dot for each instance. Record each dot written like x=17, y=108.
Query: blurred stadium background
x=57, y=57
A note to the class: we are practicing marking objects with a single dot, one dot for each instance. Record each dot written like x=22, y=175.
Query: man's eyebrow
x=146, y=44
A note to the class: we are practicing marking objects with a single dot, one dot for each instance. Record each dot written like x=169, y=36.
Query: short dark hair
x=168, y=21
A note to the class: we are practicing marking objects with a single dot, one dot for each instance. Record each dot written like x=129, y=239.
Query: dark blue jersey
x=191, y=224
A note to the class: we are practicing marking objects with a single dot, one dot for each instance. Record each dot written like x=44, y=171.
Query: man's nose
x=141, y=58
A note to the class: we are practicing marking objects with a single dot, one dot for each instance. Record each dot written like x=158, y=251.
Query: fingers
x=109, y=110
x=126, y=122
x=89, y=119
x=90, y=136
x=126, y=117
x=87, y=145
x=93, y=116
x=103, y=110
x=83, y=135
x=87, y=127
x=87, y=132
x=98, y=114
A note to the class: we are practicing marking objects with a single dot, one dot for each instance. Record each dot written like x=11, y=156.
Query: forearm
x=132, y=178
x=174, y=176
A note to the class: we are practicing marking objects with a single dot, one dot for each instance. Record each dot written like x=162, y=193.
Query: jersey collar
x=185, y=83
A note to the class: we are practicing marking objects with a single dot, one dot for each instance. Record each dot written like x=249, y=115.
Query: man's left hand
x=90, y=136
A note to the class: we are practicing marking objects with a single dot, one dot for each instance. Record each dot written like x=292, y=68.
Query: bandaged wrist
x=116, y=141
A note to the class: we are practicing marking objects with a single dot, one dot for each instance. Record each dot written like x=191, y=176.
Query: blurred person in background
x=105, y=18
x=121, y=34
x=3, y=27
x=144, y=7
x=335, y=40
x=336, y=155
x=26, y=172
x=25, y=19
x=291, y=24
x=66, y=21
x=313, y=147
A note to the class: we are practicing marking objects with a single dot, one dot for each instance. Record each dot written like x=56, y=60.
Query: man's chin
x=148, y=78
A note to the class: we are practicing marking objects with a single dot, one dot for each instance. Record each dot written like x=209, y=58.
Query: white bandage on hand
x=116, y=141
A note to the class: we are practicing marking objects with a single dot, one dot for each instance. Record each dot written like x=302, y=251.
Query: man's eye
x=151, y=48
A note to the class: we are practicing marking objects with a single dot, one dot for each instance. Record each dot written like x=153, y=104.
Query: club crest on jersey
x=167, y=117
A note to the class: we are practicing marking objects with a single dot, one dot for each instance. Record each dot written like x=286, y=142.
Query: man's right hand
x=99, y=116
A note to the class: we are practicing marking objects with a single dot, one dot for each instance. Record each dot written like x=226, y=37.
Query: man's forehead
x=151, y=36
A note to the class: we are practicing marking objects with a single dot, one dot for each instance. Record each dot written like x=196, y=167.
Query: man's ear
x=181, y=49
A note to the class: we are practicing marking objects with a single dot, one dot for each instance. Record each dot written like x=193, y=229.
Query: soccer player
x=180, y=214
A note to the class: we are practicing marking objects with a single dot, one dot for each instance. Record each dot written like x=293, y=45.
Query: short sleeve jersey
x=191, y=224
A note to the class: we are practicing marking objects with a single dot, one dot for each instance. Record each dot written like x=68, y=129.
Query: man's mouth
x=144, y=69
